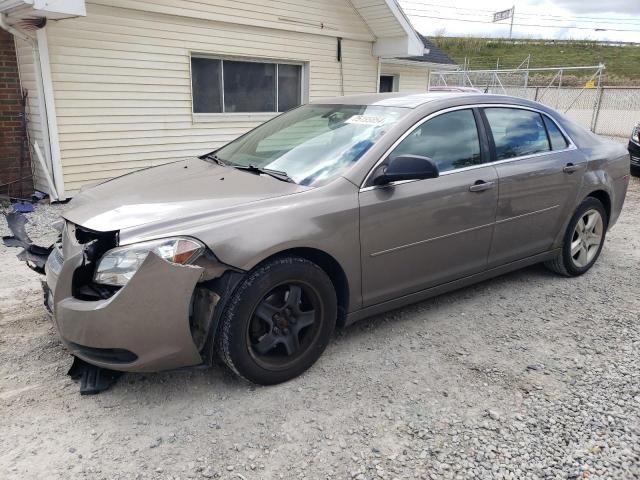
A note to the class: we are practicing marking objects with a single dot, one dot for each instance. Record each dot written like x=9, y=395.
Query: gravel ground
x=529, y=375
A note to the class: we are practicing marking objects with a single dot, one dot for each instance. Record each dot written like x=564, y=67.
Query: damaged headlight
x=117, y=266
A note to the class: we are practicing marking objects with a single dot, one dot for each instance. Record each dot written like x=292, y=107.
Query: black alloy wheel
x=278, y=321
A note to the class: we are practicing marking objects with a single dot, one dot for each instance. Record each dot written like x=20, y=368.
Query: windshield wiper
x=277, y=174
x=212, y=156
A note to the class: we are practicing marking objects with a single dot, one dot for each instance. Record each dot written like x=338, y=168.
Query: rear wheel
x=583, y=239
x=279, y=321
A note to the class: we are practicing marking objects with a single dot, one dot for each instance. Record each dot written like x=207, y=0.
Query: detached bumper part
x=93, y=380
x=143, y=327
x=35, y=255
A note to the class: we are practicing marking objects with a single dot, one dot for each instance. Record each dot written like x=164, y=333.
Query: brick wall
x=10, y=122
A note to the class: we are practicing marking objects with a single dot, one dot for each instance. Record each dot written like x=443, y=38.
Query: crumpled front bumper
x=143, y=327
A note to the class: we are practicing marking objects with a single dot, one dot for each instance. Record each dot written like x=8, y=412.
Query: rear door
x=539, y=171
x=418, y=234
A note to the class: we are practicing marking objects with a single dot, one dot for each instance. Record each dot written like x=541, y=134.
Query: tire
x=279, y=321
x=573, y=265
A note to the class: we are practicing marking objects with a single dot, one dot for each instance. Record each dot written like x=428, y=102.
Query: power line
x=536, y=15
x=476, y=15
x=519, y=24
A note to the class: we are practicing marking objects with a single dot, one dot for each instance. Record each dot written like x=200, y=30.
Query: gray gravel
x=529, y=375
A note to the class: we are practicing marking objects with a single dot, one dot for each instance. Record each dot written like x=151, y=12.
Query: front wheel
x=583, y=239
x=279, y=321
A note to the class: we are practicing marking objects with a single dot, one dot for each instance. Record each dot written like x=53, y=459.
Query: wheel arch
x=331, y=267
x=604, y=198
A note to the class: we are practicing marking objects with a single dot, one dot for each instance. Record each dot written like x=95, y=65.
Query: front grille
x=635, y=160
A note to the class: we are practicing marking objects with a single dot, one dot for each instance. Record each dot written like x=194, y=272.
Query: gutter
x=16, y=33
x=46, y=102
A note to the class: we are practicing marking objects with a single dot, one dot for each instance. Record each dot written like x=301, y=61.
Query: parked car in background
x=634, y=150
x=453, y=88
x=325, y=215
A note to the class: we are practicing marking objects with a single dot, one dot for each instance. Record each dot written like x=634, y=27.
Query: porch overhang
x=395, y=36
x=418, y=63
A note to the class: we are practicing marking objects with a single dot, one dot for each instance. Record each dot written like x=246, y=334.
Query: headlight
x=635, y=135
x=117, y=266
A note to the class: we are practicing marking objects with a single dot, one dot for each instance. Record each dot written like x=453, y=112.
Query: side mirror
x=406, y=167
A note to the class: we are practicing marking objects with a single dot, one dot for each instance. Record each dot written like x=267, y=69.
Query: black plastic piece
x=35, y=255
x=93, y=380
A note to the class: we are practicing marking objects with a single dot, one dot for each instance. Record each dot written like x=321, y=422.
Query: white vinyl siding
x=410, y=79
x=122, y=84
x=336, y=18
x=28, y=72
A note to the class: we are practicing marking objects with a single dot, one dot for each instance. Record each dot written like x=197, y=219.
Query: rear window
x=517, y=132
x=557, y=139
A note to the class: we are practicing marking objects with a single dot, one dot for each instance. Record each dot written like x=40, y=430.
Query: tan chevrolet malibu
x=325, y=215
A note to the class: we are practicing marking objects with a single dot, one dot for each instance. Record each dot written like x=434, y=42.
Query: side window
x=517, y=132
x=450, y=140
x=557, y=139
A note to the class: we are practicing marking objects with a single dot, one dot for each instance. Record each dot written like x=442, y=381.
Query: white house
x=119, y=85
x=411, y=74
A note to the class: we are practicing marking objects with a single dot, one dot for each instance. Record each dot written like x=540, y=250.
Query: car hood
x=175, y=191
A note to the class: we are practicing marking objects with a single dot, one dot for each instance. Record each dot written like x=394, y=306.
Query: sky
x=616, y=20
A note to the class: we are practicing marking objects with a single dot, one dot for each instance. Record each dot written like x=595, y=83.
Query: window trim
x=200, y=117
x=492, y=161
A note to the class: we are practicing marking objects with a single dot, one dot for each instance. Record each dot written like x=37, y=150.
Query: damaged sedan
x=327, y=214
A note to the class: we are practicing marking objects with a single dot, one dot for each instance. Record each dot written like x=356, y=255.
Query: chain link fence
x=608, y=111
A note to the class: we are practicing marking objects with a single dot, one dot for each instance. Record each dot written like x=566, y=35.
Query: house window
x=233, y=86
x=388, y=83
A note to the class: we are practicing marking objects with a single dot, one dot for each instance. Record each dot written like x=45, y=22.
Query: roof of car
x=406, y=100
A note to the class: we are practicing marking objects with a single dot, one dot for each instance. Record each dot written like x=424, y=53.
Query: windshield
x=312, y=143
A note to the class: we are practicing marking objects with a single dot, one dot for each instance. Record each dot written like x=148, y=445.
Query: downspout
x=45, y=106
x=47, y=87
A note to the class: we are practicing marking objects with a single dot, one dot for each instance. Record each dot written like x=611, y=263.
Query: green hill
x=622, y=60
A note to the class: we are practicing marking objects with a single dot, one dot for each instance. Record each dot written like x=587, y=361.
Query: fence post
x=535, y=95
x=596, y=109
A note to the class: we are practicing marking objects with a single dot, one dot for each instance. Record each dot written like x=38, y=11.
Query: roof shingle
x=435, y=55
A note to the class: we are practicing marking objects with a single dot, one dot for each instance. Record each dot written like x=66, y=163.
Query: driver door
x=418, y=234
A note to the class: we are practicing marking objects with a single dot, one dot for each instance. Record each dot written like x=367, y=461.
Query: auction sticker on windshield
x=366, y=120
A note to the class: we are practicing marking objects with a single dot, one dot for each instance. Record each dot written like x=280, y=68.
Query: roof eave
x=51, y=9
x=407, y=44
x=416, y=63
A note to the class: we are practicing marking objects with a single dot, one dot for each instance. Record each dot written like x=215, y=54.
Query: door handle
x=570, y=168
x=481, y=186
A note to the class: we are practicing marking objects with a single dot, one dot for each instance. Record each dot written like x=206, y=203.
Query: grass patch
x=622, y=61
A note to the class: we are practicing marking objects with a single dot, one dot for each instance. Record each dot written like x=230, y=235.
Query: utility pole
x=513, y=13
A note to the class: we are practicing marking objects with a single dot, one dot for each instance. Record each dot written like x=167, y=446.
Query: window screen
x=249, y=87
x=557, y=139
x=450, y=140
x=517, y=132
x=206, y=84
x=289, y=87
x=240, y=86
